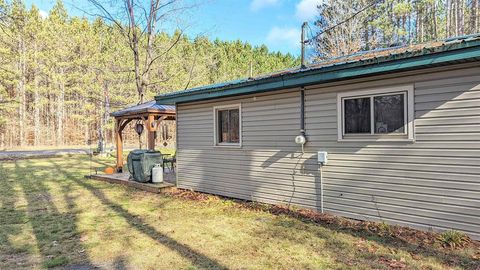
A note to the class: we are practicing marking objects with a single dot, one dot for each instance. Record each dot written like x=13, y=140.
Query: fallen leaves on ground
x=393, y=263
x=399, y=233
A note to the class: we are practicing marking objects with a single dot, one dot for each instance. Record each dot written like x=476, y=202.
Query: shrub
x=384, y=228
x=453, y=239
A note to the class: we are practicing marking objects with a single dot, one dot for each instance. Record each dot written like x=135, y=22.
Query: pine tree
x=62, y=75
x=366, y=25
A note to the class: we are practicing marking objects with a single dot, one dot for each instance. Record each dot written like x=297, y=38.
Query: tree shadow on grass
x=11, y=222
x=57, y=235
x=196, y=258
x=119, y=263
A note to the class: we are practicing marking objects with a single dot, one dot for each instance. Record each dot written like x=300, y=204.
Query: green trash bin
x=141, y=162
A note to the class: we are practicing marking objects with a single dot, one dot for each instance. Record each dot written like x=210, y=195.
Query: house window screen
x=357, y=115
x=389, y=114
x=228, y=126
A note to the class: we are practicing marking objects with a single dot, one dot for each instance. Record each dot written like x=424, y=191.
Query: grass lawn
x=50, y=216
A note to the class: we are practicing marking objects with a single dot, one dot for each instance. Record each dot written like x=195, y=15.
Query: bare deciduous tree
x=139, y=22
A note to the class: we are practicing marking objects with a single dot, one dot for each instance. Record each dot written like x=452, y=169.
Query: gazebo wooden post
x=119, y=142
x=151, y=127
x=120, y=124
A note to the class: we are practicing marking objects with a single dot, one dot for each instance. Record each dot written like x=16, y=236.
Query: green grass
x=54, y=262
x=50, y=216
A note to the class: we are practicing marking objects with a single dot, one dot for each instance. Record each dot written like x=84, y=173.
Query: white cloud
x=306, y=10
x=284, y=37
x=43, y=14
x=256, y=5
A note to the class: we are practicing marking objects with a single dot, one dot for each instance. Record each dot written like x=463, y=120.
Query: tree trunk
x=417, y=24
x=134, y=46
x=86, y=134
x=456, y=17
x=460, y=17
x=366, y=38
x=36, y=101
x=2, y=140
x=435, y=36
x=60, y=108
x=477, y=16
x=409, y=28
x=106, y=115
x=447, y=18
x=51, y=111
x=22, y=91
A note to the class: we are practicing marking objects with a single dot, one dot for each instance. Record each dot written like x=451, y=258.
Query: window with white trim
x=376, y=114
x=227, y=125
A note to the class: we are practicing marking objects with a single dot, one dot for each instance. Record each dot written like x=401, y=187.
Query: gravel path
x=41, y=153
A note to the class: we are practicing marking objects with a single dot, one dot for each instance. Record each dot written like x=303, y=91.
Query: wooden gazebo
x=150, y=113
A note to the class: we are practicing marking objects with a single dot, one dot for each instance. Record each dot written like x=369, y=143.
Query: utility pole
x=250, y=71
x=304, y=26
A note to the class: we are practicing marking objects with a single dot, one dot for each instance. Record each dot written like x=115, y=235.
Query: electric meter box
x=300, y=139
x=322, y=157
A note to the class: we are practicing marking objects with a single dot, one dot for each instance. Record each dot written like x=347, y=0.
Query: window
x=357, y=115
x=227, y=125
x=376, y=114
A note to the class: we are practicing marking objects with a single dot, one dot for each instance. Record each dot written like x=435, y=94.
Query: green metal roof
x=147, y=107
x=450, y=51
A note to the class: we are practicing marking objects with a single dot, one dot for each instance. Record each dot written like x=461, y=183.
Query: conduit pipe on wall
x=302, y=111
x=303, y=135
x=321, y=187
x=301, y=139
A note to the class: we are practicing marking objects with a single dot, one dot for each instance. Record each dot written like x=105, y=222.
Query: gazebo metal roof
x=145, y=108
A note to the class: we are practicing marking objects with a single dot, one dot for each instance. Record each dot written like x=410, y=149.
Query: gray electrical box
x=322, y=157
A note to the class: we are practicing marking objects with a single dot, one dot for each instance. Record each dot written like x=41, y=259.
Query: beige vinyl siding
x=432, y=183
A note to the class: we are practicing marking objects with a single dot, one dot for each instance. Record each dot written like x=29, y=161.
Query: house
x=401, y=127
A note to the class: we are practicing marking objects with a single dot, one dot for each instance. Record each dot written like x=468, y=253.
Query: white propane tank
x=157, y=174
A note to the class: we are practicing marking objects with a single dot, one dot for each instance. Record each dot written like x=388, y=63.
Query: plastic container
x=157, y=174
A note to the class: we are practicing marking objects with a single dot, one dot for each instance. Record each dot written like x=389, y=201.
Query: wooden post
x=119, y=141
x=151, y=140
x=151, y=128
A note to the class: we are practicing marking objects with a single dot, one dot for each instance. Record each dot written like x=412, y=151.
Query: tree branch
x=164, y=53
x=191, y=71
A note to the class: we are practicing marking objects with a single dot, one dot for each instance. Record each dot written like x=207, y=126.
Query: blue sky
x=275, y=23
